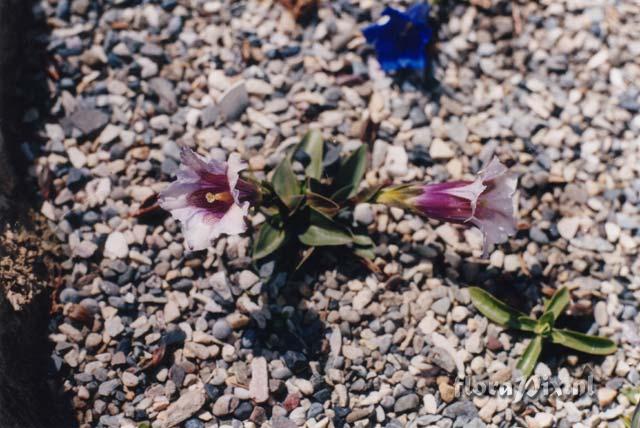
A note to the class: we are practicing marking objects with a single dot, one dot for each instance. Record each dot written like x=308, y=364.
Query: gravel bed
x=147, y=332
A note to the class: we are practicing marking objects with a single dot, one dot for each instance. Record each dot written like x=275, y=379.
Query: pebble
x=259, y=386
x=116, y=246
x=185, y=407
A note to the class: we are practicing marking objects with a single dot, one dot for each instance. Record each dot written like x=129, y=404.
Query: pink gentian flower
x=486, y=202
x=208, y=198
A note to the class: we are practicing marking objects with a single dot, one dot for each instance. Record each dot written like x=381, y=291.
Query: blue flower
x=401, y=38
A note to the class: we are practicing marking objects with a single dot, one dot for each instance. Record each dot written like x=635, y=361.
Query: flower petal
x=175, y=195
x=235, y=165
x=197, y=230
x=495, y=228
x=470, y=192
x=492, y=170
x=194, y=167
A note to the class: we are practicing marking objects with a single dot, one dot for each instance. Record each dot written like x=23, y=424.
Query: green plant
x=633, y=395
x=542, y=329
x=308, y=211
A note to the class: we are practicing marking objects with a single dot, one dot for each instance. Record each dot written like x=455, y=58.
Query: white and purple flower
x=208, y=198
x=486, y=202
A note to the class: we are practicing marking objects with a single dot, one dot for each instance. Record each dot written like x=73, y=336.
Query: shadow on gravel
x=29, y=389
x=296, y=333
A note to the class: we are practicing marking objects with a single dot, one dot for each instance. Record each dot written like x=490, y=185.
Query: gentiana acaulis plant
x=542, y=329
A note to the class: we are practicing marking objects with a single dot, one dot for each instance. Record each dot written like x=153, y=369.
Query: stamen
x=211, y=197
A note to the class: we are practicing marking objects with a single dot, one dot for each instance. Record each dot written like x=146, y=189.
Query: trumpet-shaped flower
x=208, y=198
x=486, y=202
x=401, y=38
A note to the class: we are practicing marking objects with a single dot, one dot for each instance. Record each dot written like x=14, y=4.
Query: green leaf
x=313, y=145
x=368, y=194
x=285, y=183
x=351, y=173
x=558, y=302
x=594, y=345
x=320, y=203
x=528, y=361
x=269, y=239
x=366, y=253
x=363, y=240
x=322, y=231
x=526, y=324
x=498, y=311
x=544, y=324
x=632, y=394
x=635, y=419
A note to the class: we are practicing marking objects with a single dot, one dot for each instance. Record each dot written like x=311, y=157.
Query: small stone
x=107, y=388
x=129, y=379
x=221, y=329
x=544, y=420
x=225, y=405
x=363, y=214
x=113, y=326
x=186, y=406
x=447, y=392
x=247, y=279
x=441, y=306
x=396, y=161
x=234, y=101
x=352, y=352
x=116, y=246
x=568, y=226
x=362, y=299
x=600, y=314
x=406, y=403
x=88, y=121
x=459, y=313
x=511, y=262
x=461, y=409
x=85, y=249
x=430, y=404
x=259, y=385
x=486, y=412
x=606, y=396
x=440, y=150
x=613, y=231
x=258, y=87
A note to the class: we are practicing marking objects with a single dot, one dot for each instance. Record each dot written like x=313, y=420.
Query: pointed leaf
x=351, y=173
x=285, y=183
x=269, y=239
x=528, y=361
x=544, y=324
x=635, y=419
x=366, y=253
x=325, y=205
x=498, y=311
x=322, y=231
x=558, y=302
x=363, y=240
x=594, y=345
x=526, y=324
x=313, y=145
